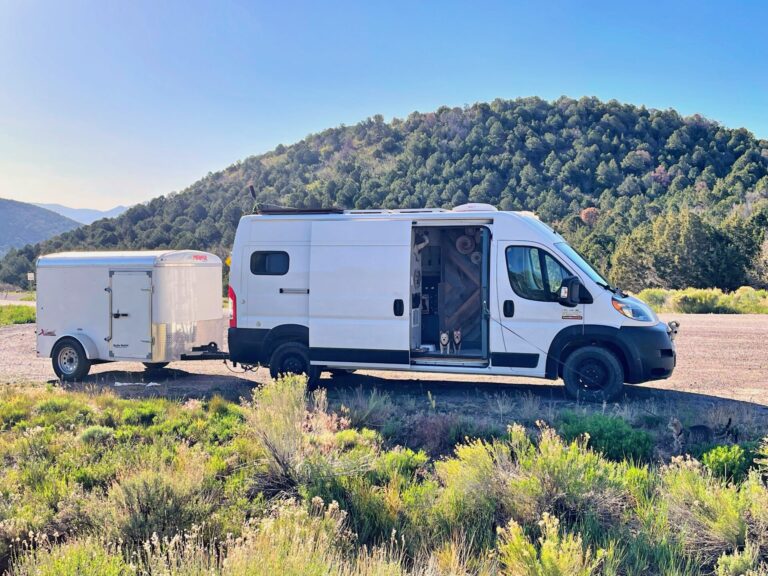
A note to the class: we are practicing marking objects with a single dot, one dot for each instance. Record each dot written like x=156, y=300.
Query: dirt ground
x=722, y=368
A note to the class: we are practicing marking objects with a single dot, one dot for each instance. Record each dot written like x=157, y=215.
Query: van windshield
x=582, y=264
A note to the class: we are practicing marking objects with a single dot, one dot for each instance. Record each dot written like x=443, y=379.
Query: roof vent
x=475, y=207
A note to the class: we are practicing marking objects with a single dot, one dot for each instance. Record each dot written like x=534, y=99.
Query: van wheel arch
x=571, y=338
x=284, y=334
x=610, y=346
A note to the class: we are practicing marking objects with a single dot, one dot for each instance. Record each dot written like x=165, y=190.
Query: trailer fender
x=90, y=348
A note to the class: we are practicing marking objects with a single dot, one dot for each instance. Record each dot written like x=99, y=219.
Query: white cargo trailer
x=152, y=307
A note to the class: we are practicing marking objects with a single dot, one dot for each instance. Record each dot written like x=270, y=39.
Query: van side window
x=534, y=274
x=269, y=263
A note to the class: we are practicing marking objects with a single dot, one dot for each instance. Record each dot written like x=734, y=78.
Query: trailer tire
x=293, y=358
x=70, y=362
x=154, y=366
x=593, y=374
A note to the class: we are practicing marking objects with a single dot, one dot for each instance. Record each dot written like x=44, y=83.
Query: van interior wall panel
x=451, y=291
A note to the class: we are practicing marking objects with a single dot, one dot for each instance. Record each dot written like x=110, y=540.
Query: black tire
x=593, y=374
x=293, y=358
x=69, y=360
x=153, y=366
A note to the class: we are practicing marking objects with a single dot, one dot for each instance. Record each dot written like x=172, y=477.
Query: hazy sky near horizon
x=106, y=103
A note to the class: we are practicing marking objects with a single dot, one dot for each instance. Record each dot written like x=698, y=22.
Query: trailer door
x=359, y=288
x=131, y=315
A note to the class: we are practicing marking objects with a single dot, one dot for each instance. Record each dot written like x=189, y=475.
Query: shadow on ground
x=473, y=398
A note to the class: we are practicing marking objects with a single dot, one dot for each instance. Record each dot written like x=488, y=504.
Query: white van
x=152, y=307
x=472, y=291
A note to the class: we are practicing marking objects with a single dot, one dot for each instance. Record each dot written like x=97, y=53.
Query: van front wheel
x=593, y=374
x=293, y=358
x=69, y=360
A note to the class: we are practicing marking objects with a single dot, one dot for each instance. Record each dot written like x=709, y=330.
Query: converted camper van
x=470, y=291
x=152, y=307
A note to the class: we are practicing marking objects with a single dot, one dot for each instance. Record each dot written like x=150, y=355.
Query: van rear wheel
x=593, y=374
x=293, y=358
x=69, y=360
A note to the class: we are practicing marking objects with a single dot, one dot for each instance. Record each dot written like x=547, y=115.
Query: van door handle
x=509, y=308
x=119, y=315
x=398, y=308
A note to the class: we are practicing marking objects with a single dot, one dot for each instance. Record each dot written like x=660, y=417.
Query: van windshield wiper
x=615, y=289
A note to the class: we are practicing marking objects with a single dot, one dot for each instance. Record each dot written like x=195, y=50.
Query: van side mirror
x=569, y=292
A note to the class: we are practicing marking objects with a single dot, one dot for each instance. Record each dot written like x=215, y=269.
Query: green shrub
x=707, y=516
x=87, y=557
x=741, y=563
x=97, y=435
x=556, y=555
x=366, y=409
x=698, y=301
x=55, y=405
x=746, y=300
x=399, y=462
x=145, y=413
x=656, y=298
x=761, y=457
x=165, y=502
x=554, y=476
x=467, y=503
x=727, y=462
x=12, y=412
x=609, y=435
x=292, y=542
x=276, y=418
x=14, y=314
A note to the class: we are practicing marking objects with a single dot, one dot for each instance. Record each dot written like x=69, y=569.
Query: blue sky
x=103, y=103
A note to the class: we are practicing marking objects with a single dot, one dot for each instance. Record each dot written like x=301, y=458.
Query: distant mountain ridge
x=22, y=224
x=84, y=215
x=596, y=171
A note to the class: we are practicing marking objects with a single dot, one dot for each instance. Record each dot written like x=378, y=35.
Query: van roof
x=129, y=259
x=461, y=211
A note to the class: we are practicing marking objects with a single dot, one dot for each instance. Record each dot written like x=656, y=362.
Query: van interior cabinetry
x=449, y=285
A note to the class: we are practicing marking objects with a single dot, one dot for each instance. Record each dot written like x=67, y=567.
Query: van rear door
x=359, y=288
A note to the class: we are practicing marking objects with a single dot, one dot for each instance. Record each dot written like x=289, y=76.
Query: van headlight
x=633, y=308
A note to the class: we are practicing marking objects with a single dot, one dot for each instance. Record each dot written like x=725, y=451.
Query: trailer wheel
x=154, y=366
x=293, y=358
x=69, y=360
x=593, y=374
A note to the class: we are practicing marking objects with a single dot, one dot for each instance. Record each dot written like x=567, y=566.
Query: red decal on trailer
x=200, y=258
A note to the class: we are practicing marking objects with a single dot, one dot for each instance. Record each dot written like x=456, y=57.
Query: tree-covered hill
x=596, y=170
x=22, y=223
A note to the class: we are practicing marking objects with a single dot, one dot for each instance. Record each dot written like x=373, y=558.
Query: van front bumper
x=651, y=350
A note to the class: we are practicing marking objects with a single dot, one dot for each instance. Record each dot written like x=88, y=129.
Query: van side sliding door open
x=359, y=304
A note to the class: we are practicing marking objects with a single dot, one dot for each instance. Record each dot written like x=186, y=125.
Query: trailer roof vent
x=475, y=207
